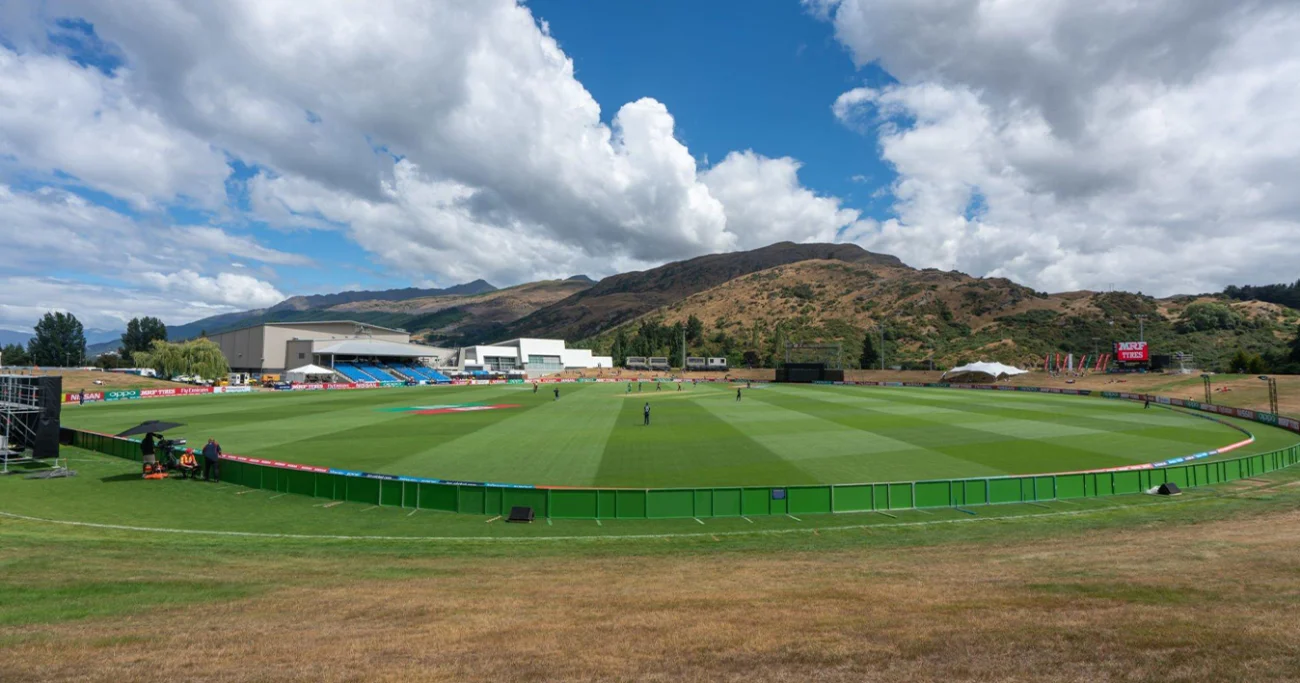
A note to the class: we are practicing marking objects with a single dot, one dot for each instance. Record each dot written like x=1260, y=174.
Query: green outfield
x=699, y=436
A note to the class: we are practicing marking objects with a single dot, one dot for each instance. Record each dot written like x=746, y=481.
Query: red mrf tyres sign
x=1132, y=352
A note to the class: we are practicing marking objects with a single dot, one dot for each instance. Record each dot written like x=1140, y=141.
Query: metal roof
x=385, y=349
x=299, y=323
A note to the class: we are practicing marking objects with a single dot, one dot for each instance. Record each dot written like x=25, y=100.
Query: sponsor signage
x=121, y=395
x=1132, y=352
x=89, y=396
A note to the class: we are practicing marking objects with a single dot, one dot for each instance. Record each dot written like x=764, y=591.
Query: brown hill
x=947, y=317
x=473, y=317
x=619, y=298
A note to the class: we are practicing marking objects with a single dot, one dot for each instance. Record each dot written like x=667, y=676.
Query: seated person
x=188, y=465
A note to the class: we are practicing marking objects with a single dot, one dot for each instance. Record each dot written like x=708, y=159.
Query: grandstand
x=359, y=352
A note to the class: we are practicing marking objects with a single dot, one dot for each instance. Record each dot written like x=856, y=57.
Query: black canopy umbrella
x=151, y=426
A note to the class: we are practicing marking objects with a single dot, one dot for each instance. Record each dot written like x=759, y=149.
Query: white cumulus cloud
x=449, y=138
x=1149, y=145
x=226, y=289
x=56, y=115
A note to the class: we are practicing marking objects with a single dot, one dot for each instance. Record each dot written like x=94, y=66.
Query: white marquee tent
x=309, y=373
x=984, y=370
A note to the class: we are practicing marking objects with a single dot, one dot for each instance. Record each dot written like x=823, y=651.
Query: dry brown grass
x=1216, y=602
x=76, y=380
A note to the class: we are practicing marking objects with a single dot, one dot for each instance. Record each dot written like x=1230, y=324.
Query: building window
x=302, y=356
x=538, y=362
x=500, y=363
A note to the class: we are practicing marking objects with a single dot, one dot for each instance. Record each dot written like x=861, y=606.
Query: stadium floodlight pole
x=1272, y=392
x=1142, y=319
x=1209, y=395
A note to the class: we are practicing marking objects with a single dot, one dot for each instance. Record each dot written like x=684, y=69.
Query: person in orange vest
x=188, y=466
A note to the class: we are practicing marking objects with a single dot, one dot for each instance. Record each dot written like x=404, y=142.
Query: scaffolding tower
x=20, y=404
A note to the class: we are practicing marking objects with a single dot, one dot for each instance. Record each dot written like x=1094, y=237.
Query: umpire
x=647, y=414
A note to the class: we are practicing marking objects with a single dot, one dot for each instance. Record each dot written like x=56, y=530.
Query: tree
x=1247, y=363
x=206, y=359
x=870, y=356
x=694, y=329
x=140, y=335
x=13, y=354
x=619, y=350
x=1295, y=345
x=60, y=341
x=751, y=359
x=198, y=358
x=675, y=344
x=109, y=361
x=776, y=357
x=1205, y=316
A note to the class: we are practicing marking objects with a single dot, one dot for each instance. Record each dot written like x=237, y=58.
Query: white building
x=535, y=356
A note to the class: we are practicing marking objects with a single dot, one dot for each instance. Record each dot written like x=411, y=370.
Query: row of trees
x=60, y=341
x=1285, y=295
x=742, y=346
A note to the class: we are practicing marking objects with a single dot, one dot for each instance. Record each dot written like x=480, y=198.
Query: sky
x=181, y=160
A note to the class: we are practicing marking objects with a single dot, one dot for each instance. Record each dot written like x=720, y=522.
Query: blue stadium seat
x=378, y=373
x=353, y=372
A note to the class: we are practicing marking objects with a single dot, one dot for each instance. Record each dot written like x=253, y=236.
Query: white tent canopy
x=994, y=370
x=308, y=373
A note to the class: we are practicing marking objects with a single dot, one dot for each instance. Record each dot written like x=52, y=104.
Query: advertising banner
x=89, y=396
x=1132, y=352
x=121, y=395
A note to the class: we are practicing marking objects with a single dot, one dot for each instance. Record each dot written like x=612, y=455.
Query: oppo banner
x=121, y=395
x=1132, y=352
